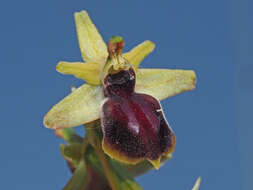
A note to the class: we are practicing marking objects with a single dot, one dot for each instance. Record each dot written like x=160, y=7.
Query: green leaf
x=123, y=179
x=79, y=180
x=92, y=159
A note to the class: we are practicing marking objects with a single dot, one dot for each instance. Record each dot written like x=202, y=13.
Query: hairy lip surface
x=134, y=125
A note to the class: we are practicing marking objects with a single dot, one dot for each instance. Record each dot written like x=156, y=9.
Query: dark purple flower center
x=133, y=123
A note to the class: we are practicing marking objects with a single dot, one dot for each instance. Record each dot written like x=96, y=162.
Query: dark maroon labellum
x=133, y=124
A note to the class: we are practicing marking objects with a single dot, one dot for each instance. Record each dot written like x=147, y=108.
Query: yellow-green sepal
x=81, y=106
x=90, y=71
x=163, y=83
x=91, y=43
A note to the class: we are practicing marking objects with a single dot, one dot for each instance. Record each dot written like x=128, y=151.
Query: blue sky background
x=213, y=124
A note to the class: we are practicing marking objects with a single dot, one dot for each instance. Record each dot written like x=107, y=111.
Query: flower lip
x=135, y=128
x=133, y=124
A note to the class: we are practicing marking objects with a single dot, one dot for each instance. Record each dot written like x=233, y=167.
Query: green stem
x=84, y=145
x=96, y=143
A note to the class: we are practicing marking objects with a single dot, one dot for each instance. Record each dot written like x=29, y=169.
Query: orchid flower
x=119, y=93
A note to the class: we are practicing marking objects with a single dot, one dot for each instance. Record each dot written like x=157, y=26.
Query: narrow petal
x=163, y=83
x=90, y=71
x=137, y=54
x=90, y=41
x=81, y=106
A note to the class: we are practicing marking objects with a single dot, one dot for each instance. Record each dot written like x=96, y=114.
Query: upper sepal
x=91, y=43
